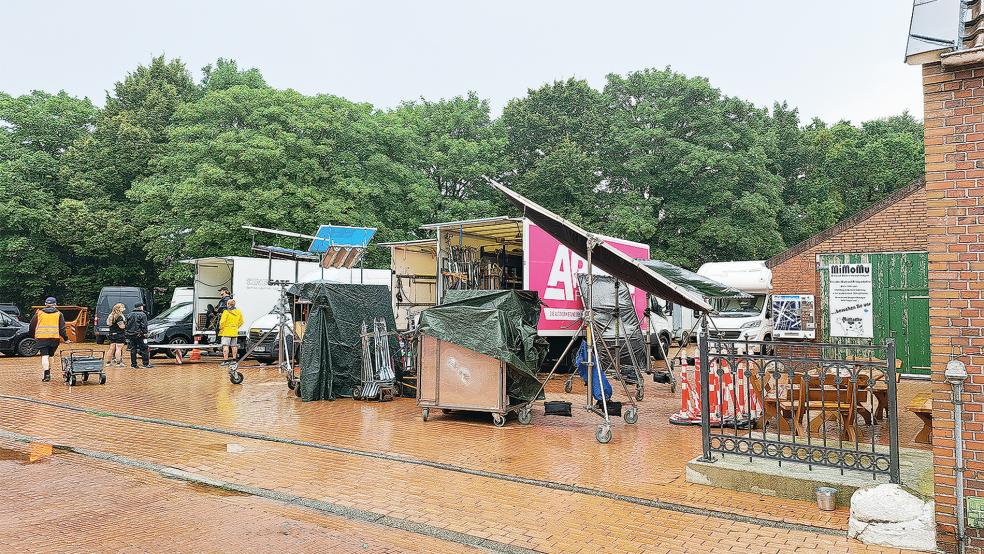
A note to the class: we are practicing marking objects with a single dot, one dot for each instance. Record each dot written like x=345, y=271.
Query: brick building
x=891, y=234
x=952, y=60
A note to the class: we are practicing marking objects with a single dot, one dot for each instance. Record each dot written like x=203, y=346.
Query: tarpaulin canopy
x=607, y=258
x=687, y=279
x=331, y=352
x=500, y=324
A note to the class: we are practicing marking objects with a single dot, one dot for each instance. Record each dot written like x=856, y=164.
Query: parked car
x=109, y=297
x=14, y=337
x=172, y=326
x=10, y=309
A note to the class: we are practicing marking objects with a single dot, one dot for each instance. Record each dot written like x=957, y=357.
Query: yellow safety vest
x=47, y=327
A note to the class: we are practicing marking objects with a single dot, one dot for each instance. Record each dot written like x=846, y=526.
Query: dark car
x=14, y=337
x=172, y=326
x=10, y=309
x=109, y=297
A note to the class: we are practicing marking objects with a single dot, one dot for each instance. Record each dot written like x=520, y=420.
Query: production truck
x=249, y=279
x=502, y=253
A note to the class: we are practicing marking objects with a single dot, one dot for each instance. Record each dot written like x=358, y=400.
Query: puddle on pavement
x=29, y=455
x=231, y=448
x=214, y=491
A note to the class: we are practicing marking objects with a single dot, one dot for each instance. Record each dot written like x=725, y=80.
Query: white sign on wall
x=850, y=305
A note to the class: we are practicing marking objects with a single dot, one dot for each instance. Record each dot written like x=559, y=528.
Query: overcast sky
x=836, y=59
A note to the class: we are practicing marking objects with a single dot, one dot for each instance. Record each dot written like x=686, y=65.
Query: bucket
x=826, y=498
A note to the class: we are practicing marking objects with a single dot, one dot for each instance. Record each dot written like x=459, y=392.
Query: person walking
x=136, y=336
x=117, y=335
x=229, y=324
x=48, y=327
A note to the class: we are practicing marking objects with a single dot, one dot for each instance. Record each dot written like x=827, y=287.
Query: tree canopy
x=171, y=167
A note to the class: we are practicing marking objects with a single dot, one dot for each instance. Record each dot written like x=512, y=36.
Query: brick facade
x=954, y=108
x=897, y=223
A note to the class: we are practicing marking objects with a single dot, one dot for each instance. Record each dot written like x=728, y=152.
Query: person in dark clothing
x=225, y=296
x=136, y=336
x=48, y=327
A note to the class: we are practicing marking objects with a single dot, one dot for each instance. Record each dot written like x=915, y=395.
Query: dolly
x=82, y=362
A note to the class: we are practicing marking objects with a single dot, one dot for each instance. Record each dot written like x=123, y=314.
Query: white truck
x=249, y=281
x=747, y=318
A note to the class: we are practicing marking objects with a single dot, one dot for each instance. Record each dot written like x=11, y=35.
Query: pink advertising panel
x=550, y=268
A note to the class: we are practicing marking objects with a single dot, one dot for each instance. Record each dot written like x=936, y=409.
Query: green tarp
x=500, y=324
x=689, y=280
x=331, y=352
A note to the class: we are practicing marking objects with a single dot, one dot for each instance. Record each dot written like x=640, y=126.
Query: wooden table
x=922, y=406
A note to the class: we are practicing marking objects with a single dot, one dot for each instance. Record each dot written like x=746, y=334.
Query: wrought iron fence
x=819, y=404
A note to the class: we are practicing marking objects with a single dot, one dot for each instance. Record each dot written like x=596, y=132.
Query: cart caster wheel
x=425, y=414
x=71, y=380
x=631, y=416
x=357, y=393
x=640, y=394
x=498, y=420
x=568, y=387
x=102, y=379
x=46, y=377
x=603, y=434
x=85, y=377
x=297, y=389
x=290, y=383
x=525, y=416
x=235, y=377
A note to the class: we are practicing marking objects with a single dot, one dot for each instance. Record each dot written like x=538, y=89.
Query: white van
x=741, y=318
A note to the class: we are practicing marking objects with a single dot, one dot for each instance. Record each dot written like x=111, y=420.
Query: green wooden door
x=908, y=324
x=900, y=303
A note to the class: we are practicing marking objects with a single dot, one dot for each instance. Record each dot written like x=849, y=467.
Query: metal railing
x=819, y=404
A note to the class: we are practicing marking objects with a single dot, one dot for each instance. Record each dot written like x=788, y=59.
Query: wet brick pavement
x=329, y=467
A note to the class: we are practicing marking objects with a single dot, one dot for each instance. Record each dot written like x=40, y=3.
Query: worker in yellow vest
x=48, y=327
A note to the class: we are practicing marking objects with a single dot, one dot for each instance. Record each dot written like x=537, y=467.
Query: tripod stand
x=282, y=329
x=587, y=326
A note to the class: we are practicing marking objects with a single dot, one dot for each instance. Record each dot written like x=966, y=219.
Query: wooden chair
x=836, y=399
x=781, y=407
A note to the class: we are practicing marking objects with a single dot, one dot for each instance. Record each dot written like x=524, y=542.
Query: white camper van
x=741, y=318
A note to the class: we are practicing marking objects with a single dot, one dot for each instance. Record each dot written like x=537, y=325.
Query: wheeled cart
x=452, y=377
x=82, y=362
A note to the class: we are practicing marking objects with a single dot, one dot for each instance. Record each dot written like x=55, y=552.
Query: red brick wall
x=898, y=227
x=954, y=105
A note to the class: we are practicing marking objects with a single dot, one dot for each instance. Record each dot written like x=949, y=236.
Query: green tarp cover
x=499, y=324
x=699, y=284
x=331, y=352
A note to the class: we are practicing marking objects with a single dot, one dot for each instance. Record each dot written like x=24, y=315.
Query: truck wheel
x=27, y=347
x=664, y=341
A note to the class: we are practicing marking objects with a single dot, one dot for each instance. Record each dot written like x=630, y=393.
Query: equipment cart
x=82, y=362
x=452, y=377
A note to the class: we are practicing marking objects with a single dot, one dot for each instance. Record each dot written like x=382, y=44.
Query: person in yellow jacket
x=229, y=324
x=48, y=328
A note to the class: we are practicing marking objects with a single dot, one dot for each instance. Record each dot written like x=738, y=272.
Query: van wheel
x=664, y=341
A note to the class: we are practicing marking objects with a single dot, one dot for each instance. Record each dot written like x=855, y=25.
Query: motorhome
x=748, y=318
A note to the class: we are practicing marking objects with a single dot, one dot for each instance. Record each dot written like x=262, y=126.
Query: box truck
x=502, y=253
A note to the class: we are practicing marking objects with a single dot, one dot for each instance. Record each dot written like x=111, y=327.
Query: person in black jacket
x=136, y=336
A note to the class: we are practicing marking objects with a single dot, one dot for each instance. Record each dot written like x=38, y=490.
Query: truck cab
x=748, y=318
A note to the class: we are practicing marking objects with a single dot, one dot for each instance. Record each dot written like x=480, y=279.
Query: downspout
x=956, y=374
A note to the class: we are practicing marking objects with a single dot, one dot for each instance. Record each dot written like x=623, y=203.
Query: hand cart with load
x=479, y=352
x=82, y=362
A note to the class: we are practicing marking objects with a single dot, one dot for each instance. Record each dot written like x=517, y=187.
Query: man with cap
x=48, y=327
x=136, y=336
